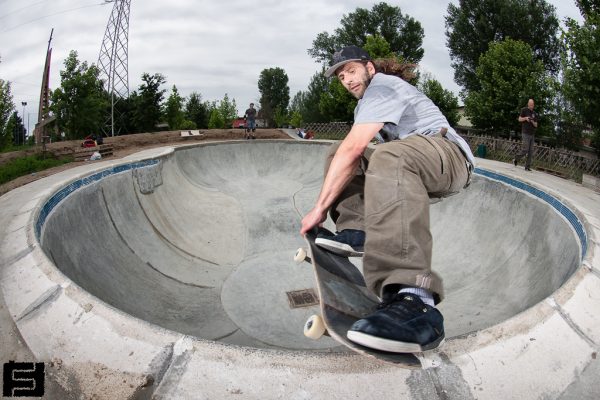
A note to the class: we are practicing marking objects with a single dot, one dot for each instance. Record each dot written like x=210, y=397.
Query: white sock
x=424, y=294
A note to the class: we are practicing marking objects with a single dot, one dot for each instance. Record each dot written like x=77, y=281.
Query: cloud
x=212, y=47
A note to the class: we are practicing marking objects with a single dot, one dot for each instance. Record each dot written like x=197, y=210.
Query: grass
x=8, y=149
x=28, y=165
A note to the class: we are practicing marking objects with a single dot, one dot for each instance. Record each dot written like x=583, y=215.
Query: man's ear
x=371, y=68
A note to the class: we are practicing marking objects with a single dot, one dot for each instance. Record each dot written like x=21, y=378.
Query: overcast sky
x=211, y=47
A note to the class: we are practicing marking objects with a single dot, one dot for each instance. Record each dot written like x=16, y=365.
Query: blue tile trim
x=78, y=184
x=553, y=201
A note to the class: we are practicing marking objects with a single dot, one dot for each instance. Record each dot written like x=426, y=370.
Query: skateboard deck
x=344, y=299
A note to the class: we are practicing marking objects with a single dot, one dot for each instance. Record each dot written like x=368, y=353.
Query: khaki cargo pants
x=389, y=199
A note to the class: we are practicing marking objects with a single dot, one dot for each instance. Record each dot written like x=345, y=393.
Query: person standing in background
x=529, y=123
x=250, y=117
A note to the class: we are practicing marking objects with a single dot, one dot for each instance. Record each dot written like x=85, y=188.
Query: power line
x=21, y=9
x=51, y=15
x=24, y=83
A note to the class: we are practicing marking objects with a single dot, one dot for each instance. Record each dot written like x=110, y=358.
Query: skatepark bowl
x=201, y=243
x=199, y=240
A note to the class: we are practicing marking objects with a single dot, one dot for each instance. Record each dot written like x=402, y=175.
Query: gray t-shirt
x=404, y=111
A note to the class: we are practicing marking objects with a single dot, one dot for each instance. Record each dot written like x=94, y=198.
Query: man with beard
x=379, y=198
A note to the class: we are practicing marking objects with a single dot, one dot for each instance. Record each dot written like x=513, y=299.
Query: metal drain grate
x=303, y=298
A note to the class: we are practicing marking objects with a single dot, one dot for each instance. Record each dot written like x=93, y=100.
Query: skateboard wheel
x=314, y=328
x=300, y=255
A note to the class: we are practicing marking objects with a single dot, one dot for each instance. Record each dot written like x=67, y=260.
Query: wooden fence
x=560, y=162
x=105, y=150
x=330, y=130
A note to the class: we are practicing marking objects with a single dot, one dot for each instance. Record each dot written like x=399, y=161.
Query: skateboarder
x=250, y=116
x=379, y=198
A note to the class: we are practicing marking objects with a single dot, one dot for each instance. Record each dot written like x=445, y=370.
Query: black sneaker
x=347, y=243
x=515, y=162
x=527, y=169
x=404, y=324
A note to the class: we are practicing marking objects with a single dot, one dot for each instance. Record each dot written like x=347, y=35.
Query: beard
x=364, y=84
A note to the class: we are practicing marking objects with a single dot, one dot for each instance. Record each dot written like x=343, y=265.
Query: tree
x=509, y=75
x=7, y=107
x=125, y=109
x=228, y=110
x=307, y=102
x=274, y=93
x=197, y=111
x=403, y=33
x=147, y=103
x=444, y=99
x=581, y=63
x=15, y=131
x=80, y=103
x=174, y=110
x=296, y=119
x=222, y=113
x=589, y=8
x=281, y=117
x=216, y=120
x=337, y=104
x=378, y=47
x=473, y=24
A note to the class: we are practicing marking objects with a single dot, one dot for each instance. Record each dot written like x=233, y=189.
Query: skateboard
x=343, y=299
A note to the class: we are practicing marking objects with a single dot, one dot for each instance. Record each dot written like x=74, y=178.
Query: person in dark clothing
x=529, y=123
x=250, y=116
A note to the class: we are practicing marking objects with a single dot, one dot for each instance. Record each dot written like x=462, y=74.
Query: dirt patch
x=124, y=146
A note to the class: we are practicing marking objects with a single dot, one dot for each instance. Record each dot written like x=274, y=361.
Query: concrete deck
x=165, y=276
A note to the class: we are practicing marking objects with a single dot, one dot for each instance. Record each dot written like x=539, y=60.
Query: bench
x=105, y=150
x=191, y=133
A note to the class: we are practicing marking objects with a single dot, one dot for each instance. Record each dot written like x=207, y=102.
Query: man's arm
x=341, y=172
x=523, y=117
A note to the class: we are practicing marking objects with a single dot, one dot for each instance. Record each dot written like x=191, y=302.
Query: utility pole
x=24, y=104
x=113, y=61
x=44, y=106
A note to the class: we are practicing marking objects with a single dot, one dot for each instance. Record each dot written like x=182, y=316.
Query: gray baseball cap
x=346, y=55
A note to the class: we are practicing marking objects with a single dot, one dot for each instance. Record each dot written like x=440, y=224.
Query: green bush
x=28, y=165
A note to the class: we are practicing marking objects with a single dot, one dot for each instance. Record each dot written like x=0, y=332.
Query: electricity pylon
x=112, y=60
